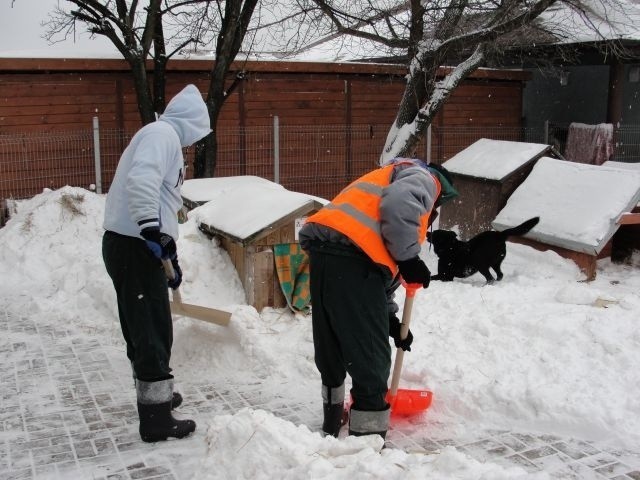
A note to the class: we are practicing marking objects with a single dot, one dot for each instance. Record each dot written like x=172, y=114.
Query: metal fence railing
x=314, y=159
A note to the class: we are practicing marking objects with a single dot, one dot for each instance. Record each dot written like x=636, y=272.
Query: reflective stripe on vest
x=355, y=212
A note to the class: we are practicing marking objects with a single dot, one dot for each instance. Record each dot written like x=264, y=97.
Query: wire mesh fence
x=314, y=159
x=447, y=141
x=626, y=141
x=31, y=162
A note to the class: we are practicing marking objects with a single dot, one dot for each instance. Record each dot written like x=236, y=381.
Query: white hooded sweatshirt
x=145, y=191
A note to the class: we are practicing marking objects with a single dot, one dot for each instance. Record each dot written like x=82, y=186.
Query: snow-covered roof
x=242, y=208
x=201, y=190
x=494, y=159
x=597, y=20
x=631, y=166
x=577, y=211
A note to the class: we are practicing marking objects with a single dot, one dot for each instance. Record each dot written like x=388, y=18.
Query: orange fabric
x=367, y=203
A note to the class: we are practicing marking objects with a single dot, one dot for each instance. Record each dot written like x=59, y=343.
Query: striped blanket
x=292, y=266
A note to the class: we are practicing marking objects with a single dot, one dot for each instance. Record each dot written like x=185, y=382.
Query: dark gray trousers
x=143, y=304
x=350, y=323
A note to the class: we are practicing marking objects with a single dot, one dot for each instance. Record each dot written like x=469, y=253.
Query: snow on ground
x=540, y=351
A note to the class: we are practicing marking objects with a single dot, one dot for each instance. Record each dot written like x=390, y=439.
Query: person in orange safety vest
x=359, y=245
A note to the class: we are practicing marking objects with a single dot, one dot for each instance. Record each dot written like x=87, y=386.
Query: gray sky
x=21, y=33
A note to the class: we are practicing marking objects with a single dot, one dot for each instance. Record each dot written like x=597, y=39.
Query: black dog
x=462, y=259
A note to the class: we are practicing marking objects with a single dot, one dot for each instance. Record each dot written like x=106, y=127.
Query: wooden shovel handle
x=171, y=274
x=411, y=290
x=206, y=314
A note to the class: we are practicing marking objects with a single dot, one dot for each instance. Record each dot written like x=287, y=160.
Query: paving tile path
x=66, y=414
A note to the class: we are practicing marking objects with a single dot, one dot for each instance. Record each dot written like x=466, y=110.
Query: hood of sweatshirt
x=187, y=114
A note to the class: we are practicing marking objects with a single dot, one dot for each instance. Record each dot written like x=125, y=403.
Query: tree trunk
x=421, y=103
x=206, y=150
x=145, y=102
x=159, y=66
x=204, y=163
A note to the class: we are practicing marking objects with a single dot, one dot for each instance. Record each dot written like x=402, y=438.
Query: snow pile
x=539, y=351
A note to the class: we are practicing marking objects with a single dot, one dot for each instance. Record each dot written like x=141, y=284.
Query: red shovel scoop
x=403, y=401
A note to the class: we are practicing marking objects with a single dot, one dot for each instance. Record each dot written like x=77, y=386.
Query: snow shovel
x=403, y=401
x=206, y=314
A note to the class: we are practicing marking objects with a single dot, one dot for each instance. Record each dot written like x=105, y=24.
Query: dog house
x=485, y=174
x=581, y=207
x=627, y=237
x=257, y=223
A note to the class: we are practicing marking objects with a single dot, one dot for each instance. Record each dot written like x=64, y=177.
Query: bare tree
x=139, y=35
x=224, y=23
x=425, y=35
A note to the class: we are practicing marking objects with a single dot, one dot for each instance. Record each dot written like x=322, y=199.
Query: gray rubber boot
x=333, y=409
x=154, y=411
x=369, y=423
x=176, y=399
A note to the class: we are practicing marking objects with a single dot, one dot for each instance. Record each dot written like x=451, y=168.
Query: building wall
x=583, y=99
x=52, y=95
x=631, y=95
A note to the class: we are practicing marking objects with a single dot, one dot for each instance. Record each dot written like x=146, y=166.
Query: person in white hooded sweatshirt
x=141, y=229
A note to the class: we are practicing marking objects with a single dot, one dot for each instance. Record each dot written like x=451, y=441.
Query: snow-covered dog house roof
x=245, y=209
x=579, y=205
x=495, y=159
x=486, y=173
x=624, y=165
x=253, y=218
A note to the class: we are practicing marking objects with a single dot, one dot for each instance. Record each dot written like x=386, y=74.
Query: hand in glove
x=415, y=271
x=161, y=244
x=394, y=332
x=177, y=274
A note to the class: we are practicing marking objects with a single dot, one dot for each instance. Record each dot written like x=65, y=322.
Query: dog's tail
x=520, y=229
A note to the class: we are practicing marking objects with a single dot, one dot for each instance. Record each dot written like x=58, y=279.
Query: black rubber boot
x=176, y=400
x=332, y=418
x=333, y=409
x=157, y=423
x=363, y=422
x=155, y=401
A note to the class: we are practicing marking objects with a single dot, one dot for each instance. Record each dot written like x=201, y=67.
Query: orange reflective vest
x=355, y=212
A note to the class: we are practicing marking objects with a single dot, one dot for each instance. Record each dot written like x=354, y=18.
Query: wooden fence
x=334, y=118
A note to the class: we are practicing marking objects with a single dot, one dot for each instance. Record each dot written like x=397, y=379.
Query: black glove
x=161, y=244
x=177, y=274
x=415, y=271
x=394, y=332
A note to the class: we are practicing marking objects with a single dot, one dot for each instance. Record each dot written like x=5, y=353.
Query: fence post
x=96, y=154
x=276, y=149
x=429, y=144
x=546, y=132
